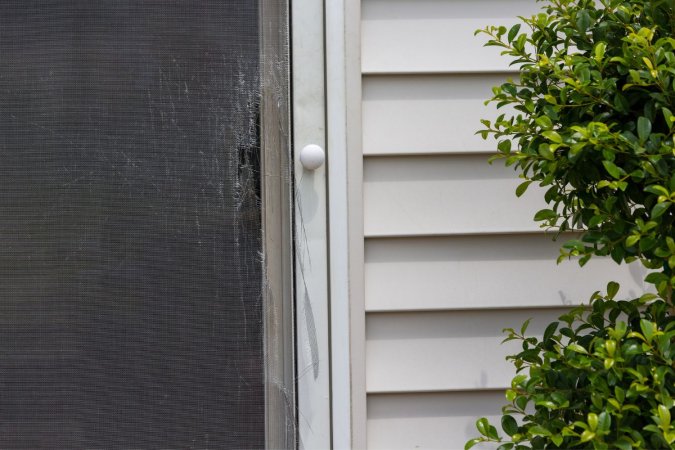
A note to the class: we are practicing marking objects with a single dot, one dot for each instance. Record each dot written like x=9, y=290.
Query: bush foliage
x=601, y=378
x=592, y=122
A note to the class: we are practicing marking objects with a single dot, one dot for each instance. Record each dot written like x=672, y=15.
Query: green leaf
x=623, y=445
x=550, y=329
x=471, y=443
x=522, y=187
x=552, y=136
x=519, y=43
x=621, y=103
x=618, y=254
x=504, y=146
x=671, y=244
x=509, y=425
x=513, y=32
x=538, y=430
x=486, y=429
x=551, y=99
x=657, y=190
x=612, y=169
x=518, y=380
x=548, y=404
x=647, y=243
x=492, y=433
x=586, y=436
x=648, y=329
x=482, y=426
x=599, y=51
x=557, y=439
x=523, y=328
x=521, y=402
x=664, y=417
x=604, y=421
x=632, y=240
x=577, y=349
x=509, y=88
x=583, y=20
x=659, y=209
x=592, y=420
x=655, y=278
x=612, y=289
x=545, y=214
x=575, y=244
x=668, y=116
x=575, y=149
x=644, y=128
x=610, y=346
x=595, y=221
x=546, y=152
x=544, y=122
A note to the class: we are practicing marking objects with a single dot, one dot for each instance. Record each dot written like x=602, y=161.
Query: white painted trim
x=345, y=218
x=311, y=261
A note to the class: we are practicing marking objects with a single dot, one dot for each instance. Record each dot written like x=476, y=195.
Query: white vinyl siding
x=451, y=255
x=436, y=420
x=482, y=271
x=444, y=111
x=441, y=195
x=444, y=350
x=434, y=36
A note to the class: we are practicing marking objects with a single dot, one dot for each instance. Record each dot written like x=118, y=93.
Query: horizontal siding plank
x=417, y=36
x=429, y=421
x=466, y=272
x=427, y=114
x=436, y=195
x=457, y=350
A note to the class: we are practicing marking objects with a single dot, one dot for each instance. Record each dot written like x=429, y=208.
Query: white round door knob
x=312, y=157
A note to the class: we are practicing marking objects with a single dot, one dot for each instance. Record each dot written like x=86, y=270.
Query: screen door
x=131, y=259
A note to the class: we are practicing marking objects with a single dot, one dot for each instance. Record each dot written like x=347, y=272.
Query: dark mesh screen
x=130, y=275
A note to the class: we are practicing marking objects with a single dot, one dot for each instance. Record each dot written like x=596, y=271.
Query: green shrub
x=600, y=378
x=592, y=123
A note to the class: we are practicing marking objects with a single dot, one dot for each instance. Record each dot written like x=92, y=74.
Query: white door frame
x=330, y=317
x=311, y=234
x=345, y=199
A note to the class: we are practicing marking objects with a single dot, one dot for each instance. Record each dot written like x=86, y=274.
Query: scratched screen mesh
x=130, y=275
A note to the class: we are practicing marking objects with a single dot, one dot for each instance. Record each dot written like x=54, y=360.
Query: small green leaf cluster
x=592, y=121
x=601, y=377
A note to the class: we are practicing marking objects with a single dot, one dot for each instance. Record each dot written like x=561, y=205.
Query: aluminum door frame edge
x=277, y=220
x=345, y=199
